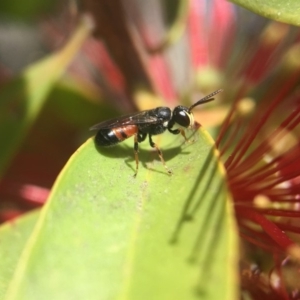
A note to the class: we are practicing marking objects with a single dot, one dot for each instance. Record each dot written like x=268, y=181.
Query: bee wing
x=132, y=119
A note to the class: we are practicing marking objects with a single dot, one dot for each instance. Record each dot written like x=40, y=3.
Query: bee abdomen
x=111, y=136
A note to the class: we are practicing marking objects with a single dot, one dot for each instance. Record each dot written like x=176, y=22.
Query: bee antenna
x=206, y=99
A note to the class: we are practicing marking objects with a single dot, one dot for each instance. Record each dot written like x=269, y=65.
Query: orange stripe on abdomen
x=124, y=132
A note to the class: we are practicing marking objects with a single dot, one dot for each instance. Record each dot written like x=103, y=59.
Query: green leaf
x=286, y=11
x=104, y=234
x=22, y=99
x=13, y=237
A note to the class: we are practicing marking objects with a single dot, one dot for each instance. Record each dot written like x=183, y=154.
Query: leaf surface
x=104, y=234
x=13, y=237
x=286, y=11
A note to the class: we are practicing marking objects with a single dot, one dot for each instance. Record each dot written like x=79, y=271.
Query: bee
x=148, y=123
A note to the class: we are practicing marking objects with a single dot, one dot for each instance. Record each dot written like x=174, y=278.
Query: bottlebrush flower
x=261, y=158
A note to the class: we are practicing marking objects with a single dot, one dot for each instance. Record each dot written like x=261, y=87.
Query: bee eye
x=181, y=116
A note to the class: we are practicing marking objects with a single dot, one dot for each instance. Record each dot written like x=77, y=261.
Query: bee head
x=182, y=116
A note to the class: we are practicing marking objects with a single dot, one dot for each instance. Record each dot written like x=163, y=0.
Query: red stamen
x=269, y=227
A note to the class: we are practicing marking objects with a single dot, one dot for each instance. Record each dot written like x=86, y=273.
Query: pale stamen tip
x=294, y=252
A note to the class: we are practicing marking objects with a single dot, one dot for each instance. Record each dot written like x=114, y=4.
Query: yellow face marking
x=192, y=120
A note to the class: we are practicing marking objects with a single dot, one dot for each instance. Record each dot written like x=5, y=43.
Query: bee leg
x=182, y=132
x=153, y=145
x=139, y=137
x=136, y=156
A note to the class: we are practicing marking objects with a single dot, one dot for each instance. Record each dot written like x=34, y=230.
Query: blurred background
x=30, y=32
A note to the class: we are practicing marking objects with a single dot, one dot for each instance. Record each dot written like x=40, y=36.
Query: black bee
x=148, y=122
